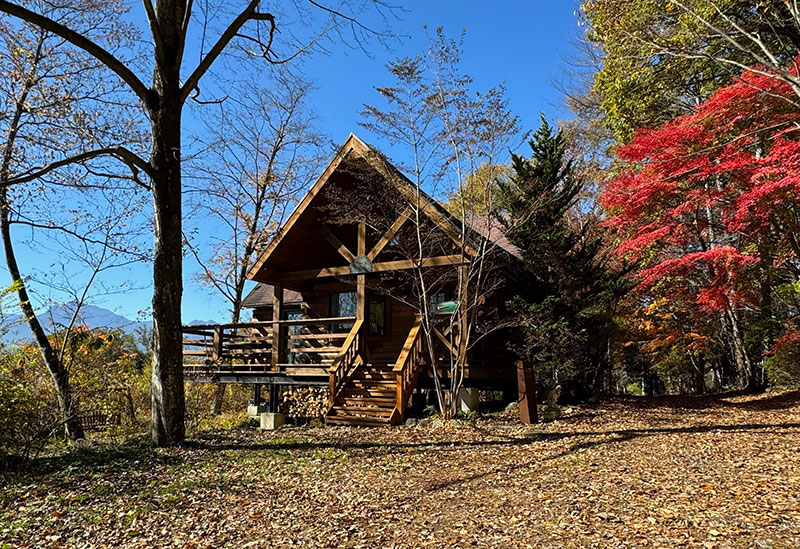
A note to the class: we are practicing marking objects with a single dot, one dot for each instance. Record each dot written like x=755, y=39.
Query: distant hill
x=59, y=316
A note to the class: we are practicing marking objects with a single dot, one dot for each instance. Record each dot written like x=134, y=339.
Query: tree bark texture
x=168, y=406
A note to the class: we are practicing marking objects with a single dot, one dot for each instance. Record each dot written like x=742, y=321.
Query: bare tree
x=263, y=149
x=255, y=33
x=450, y=134
x=53, y=96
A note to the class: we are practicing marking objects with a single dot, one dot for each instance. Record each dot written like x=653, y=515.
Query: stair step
x=362, y=411
x=386, y=401
x=356, y=420
x=368, y=392
x=372, y=383
x=366, y=374
x=379, y=366
x=385, y=358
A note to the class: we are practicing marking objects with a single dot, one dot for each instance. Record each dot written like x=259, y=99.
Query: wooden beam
x=315, y=273
x=463, y=319
x=444, y=340
x=336, y=243
x=361, y=297
x=277, y=308
x=437, y=261
x=390, y=234
x=362, y=238
x=361, y=280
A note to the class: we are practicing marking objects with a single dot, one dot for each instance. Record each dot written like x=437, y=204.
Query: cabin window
x=377, y=315
x=343, y=304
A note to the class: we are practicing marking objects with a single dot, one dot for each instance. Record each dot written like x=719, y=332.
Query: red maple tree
x=709, y=205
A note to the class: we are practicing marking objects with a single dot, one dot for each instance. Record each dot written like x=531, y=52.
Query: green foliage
x=479, y=193
x=568, y=293
x=658, y=58
x=783, y=364
x=108, y=375
x=30, y=413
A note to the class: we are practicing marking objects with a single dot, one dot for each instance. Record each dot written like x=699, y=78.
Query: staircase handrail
x=346, y=361
x=407, y=366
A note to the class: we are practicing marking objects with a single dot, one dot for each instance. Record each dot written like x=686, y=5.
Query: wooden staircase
x=369, y=395
x=375, y=391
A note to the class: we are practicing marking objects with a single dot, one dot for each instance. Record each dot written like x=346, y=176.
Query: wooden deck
x=302, y=348
x=365, y=388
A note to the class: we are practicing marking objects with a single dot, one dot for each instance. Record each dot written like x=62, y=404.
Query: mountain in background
x=58, y=317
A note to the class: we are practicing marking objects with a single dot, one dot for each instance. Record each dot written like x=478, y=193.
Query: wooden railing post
x=216, y=353
x=277, y=336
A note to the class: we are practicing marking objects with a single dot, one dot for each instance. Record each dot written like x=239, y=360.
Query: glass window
x=377, y=315
x=343, y=304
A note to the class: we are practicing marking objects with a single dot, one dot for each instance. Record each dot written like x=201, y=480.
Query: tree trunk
x=168, y=406
x=56, y=368
x=744, y=366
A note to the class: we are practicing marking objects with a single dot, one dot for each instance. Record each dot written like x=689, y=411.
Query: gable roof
x=263, y=294
x=449, y=224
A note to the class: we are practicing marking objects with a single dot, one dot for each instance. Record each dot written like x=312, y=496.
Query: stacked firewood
x=304, y=402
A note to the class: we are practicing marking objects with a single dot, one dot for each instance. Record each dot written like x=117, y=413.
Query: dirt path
x=664, y=472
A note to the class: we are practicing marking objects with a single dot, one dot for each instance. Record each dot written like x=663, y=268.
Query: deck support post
x=216, y=352
x=256, y=394
x=277, y=313
x=272, y=405
x=526, y=388
x=463, y=318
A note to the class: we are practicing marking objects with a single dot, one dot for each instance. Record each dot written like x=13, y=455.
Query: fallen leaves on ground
x=708, y=472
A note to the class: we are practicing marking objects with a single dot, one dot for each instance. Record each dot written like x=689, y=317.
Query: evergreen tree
x=567, y=297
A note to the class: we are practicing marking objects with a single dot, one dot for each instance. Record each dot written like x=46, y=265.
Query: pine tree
x=566, y=300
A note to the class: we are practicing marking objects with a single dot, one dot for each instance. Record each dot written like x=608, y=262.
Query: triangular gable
x=451, y=226
x=352, y=143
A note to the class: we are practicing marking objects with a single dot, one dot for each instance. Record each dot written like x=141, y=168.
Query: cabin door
x=378, y=332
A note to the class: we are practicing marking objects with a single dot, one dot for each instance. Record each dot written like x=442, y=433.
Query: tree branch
x=233, y=29
x=121, y=153
x=80, y=41
x=155, y=29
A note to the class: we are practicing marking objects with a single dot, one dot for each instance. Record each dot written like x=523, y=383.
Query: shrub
x=783, y=362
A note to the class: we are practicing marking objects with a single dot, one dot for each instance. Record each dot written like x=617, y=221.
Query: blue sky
x=520, y=43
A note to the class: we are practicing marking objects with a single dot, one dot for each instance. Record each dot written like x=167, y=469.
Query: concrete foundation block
x=255, y=411
x=271, y=421
x=468, y=400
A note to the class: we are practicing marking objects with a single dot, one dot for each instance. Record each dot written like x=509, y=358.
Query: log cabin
x=339, y=300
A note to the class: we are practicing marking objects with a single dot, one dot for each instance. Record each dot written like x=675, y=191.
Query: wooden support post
x=526, y=389
x=361, y=280
x=277, y=313
x=463, y=318
x=256, y=394
x=362, y=238
x=216, y=353
x=272, y=405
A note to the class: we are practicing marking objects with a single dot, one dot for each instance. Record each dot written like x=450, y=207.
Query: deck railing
x=408, y=366
x=346, y=362
x=304, y=346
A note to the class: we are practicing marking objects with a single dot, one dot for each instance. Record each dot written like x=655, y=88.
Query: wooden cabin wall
x=490, y=360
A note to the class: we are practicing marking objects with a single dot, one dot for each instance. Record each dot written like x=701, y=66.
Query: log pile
x=304, y=402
